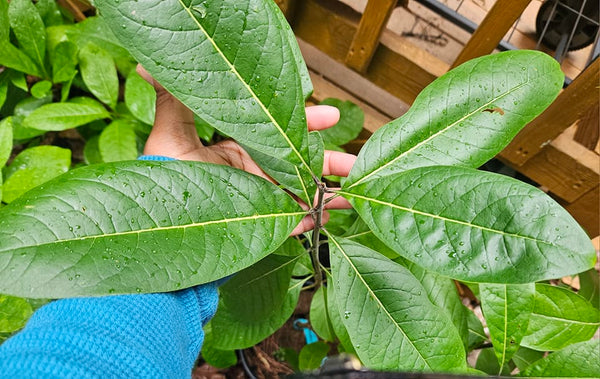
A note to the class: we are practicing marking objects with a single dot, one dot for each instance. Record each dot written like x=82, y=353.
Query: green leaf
x=96, y=31
x=33, y=167
x=391, y=322
x=14, y=312
x=64, y=60
x=213, y=356
x=360, y=232
x=507, y=309
x=464, y=117
x=348, y=127
x=6, y=140
x=560, y=318
x=476, y=333
x=4, y=22
x=312, y=355
x=99, y=73
x=117, y=142
x=524, y=357
x=442, y=292
x=28, y=27
x=488, y=363
x=14, y=58
x=473, y=225
x=576, y=361
x=4, y=80
x=335, y=317
x=590, y=287
x=91, y=151
x=340, y=220
x=255, y=303
x=139, y=226
x=23, y=109
x=217, y=58
x=204, y=130
x=319, y=319
x=317, y=151
x=62, y=116
x=140, y=98
x=41, y=89
x=49, y=12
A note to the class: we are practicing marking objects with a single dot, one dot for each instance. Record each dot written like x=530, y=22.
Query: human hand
x=174, y=135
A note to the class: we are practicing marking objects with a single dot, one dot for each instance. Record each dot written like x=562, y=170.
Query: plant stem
x=317, y=215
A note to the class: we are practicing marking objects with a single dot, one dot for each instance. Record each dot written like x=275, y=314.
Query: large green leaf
x=4, y=22
x=140, y=98
x=524, y=357
x=442, y=292
x=95, y=30
x=473, y=225
x=464, y=117
x=33, y=167
x=232, y=63
x=28, y=27
x=335, y=317
x=507, y=309
x=61, y=116
x=255, y=303
x=391, y=321
x=14, y=312
x=99, y=73
x=560, y=317
x=139, y=226
x=117, y=142
x=590, y=287
x=360, y=232
x=576, y=361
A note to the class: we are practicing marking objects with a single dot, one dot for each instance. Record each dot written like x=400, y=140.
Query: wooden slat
x=564, y=166
x=588, y=128
x=366, y=39
x=492, y=29
x=75, y=7
x=330, y=26
x=569, y=106
x=586, y=210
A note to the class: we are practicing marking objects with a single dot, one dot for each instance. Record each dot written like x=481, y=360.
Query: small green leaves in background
x=589, y=282
x=29, y=29
x=117, y=142
x=473, y=225
x=140, y=98
x=312, y=355
x=348, y=127
x=560, y=317
x=14, y=313
x=151, y=226
x=6, y=140
x=257, y=301
x=465, y=117
x=99, y=73
x=62, y=116
x=579, y=360
x=391, y=321
x=64, y=61
x=488, y=363
x=41, y=89
x=213, y=356
x=507, y=309
x=33, y=167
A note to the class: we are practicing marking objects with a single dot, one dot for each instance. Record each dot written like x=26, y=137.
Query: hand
x=174, y=135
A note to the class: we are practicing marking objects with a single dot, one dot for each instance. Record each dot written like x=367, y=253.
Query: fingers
x=337, y=163
x=174, y=133
x=307, y=224
x=320, y=117
x=337, y=203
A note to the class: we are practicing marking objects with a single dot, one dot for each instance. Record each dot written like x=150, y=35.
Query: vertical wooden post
x=572, y=103
x=366, y=39
x=492, y=29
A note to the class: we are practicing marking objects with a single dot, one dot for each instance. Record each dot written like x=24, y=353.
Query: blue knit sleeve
x=128, y=336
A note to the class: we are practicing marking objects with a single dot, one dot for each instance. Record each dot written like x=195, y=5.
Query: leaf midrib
x=446, y=219
x=377, y=300
x=563, y=320
x=250, y=90
x=482, y=107
x=161, y=228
